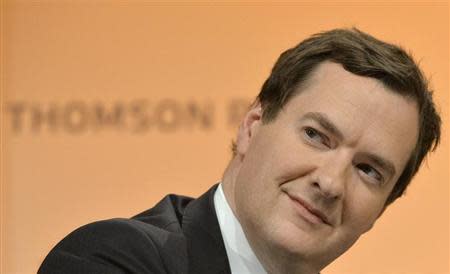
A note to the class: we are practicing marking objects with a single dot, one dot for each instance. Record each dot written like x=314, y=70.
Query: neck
x=228, y=183
x=275, y=260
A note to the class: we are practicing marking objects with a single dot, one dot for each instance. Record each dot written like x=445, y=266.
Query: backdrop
x=109, y=105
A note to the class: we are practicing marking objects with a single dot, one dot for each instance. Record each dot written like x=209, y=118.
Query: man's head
x=336, y=134
x=364, y=55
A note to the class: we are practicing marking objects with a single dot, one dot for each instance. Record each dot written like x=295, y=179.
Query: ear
x=248, y=128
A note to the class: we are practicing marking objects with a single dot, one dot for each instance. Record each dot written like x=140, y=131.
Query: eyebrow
x=325, y=122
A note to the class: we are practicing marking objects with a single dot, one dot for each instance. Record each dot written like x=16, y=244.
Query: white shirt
x=240, y=255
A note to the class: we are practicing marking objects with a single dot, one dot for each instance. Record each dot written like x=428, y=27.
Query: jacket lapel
x=206, y=250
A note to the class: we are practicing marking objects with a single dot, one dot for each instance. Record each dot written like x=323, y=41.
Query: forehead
x=370, y=115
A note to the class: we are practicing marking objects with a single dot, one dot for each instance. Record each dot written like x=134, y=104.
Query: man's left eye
x=370, y=172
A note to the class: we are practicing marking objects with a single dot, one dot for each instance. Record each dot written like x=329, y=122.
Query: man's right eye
x=316, y=137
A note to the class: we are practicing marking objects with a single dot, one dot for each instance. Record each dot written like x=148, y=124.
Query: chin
x=291, y=241
x=296, y=244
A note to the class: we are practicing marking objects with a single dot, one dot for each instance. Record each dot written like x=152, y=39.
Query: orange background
x=54, y=53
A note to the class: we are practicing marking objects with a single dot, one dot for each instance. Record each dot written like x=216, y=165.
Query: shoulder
x=111, y=246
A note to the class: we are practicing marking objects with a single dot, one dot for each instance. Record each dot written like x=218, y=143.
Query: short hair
x=363, y=55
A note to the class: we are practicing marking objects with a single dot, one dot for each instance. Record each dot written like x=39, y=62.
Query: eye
x=315, y=136
x=371, y=172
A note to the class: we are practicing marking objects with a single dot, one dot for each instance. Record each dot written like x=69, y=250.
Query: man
x=336, y=134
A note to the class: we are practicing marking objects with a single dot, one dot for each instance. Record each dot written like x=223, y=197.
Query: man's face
x=314, y=179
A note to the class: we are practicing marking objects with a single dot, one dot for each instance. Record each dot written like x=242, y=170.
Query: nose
x=330, y=178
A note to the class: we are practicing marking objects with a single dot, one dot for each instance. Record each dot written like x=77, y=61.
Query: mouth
x=308, y=212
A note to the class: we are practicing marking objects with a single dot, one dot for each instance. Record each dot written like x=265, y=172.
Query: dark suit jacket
x=179, y=235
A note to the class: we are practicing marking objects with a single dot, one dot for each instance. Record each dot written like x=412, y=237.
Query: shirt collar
x=241, y=257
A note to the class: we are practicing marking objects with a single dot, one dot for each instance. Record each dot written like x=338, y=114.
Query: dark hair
x=364, y=55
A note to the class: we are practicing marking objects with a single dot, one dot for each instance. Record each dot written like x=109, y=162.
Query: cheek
x=257, y=191
x=271, y=159
x=361, y=209
x=262, y=161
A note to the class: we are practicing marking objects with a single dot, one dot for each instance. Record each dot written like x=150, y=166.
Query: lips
x=312, y=214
